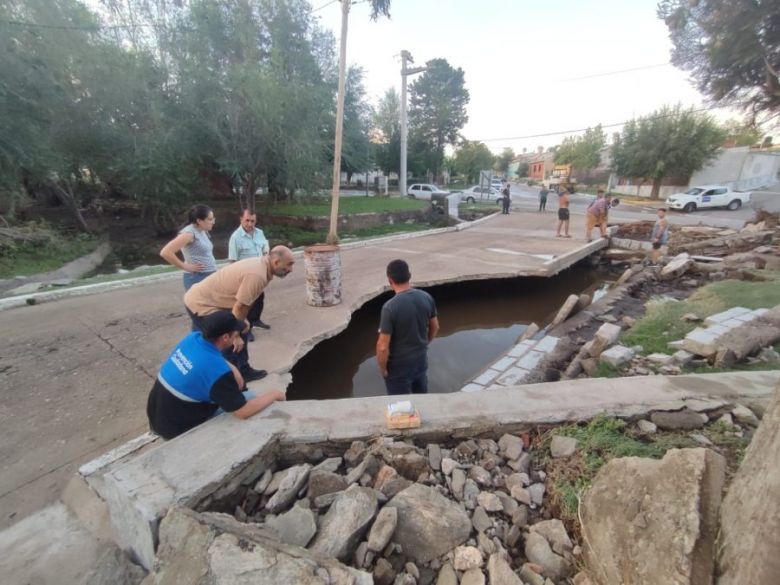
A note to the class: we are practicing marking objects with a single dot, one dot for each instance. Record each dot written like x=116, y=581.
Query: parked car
x=424, y=191
x=479, y=193
x=497, y=183
x=708, y=196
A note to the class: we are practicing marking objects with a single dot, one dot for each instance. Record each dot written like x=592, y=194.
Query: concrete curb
x=91, y=289
x=226, y=452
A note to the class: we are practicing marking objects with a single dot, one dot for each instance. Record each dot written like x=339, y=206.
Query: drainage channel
x=480, y=320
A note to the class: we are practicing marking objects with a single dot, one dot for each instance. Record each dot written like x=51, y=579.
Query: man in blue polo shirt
x=249, y=241
x=196, y=380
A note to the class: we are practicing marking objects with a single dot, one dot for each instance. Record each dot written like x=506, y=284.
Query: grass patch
x=598, y=441
x=605, y=370
x=297, y=237
x=26, y=259
x=663, y=322
x=320, y=207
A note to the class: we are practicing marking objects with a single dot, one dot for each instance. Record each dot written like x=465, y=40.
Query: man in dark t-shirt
x=409, y=322
x=196, y=380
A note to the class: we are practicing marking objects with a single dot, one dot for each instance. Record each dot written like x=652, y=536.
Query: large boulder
x=653, y=522
x=429, y=524
x=345, y=523
x=750, y=515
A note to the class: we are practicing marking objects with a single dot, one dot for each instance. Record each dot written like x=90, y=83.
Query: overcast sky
x=524, y=61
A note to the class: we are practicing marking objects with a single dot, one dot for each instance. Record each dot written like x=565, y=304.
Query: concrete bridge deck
x=76, y=370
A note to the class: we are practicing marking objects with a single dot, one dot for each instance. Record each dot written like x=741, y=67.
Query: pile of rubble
x=471, y=512
x=409, y=515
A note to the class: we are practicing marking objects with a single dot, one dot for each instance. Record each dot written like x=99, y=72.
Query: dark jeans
x=256, y=309
x=542, y=203
x=409, y=378
x=190, y=278
x=240, y=359
x=505, y=205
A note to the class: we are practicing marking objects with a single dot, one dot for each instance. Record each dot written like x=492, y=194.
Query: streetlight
x=406, y=57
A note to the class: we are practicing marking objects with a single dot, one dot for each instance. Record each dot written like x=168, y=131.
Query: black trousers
x=239, y=359
x=256, y=309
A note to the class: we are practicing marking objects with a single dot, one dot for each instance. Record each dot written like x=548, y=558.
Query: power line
x=617, y=72
x=325, y=5
x=574, y=131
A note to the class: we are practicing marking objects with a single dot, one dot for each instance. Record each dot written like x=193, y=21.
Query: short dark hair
x=662, y=209
x=398, y=272
x=599, y=191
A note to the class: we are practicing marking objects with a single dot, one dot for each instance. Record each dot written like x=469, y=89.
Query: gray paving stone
x=486, y=377
x=514, y=376
x=502, y=364
x=530, y=360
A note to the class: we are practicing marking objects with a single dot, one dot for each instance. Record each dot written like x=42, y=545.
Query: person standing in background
x=543, y=199
x=563, y=214
x=195, y=245
x=249, y=241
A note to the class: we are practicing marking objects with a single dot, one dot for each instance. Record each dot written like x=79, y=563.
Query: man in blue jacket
x=196, y=380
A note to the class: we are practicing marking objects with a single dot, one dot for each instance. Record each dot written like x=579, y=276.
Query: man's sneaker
x=250, y=336
x=250, y=374
x=262, y=325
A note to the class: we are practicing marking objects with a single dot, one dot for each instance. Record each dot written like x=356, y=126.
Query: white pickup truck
x=707, y=196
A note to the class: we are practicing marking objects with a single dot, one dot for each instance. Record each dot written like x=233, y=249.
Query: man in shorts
x=563, y=214
x=409, y=322
x=660, y=235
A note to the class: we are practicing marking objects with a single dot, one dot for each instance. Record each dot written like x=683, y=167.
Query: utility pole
x=333, y=237
x=406, y=57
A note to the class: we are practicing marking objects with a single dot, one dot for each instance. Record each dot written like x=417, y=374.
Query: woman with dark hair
x=195, y=245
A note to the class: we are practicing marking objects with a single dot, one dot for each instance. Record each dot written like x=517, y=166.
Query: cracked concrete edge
x=100, y=287
x=183, y=471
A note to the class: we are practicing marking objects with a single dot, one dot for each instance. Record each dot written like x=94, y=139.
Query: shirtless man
x=563, y=214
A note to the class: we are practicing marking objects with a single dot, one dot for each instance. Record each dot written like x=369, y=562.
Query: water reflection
x=479, y=322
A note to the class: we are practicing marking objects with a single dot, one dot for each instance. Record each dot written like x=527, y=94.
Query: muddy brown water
x=480, y=320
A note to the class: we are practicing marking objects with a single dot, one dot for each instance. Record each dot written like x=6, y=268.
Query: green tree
x=387, y=124
x=743, y=133
x=522, y=169
x=437, y=111
x=355, y=155
x=731, y=48
x=669, y=142
x=471, y=158
x=582, y=152
x=503, y=160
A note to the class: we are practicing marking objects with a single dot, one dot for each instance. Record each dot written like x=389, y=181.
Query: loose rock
x=297, y=526
x=490, y=502
x=685, y=419
x=429, y=524
x=563, y=446
x=473, y=577
x=500, y=573
x=291, y=480
x=467, y=557
x=383, y=529
x=345, y=523
x=447, y=576
x=538, y=551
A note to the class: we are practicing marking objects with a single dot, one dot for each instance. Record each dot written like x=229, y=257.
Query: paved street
x=527, y=198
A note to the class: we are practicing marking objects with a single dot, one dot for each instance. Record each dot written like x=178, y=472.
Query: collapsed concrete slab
x=211, y=460
x=750, y=515
x=654, y=522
